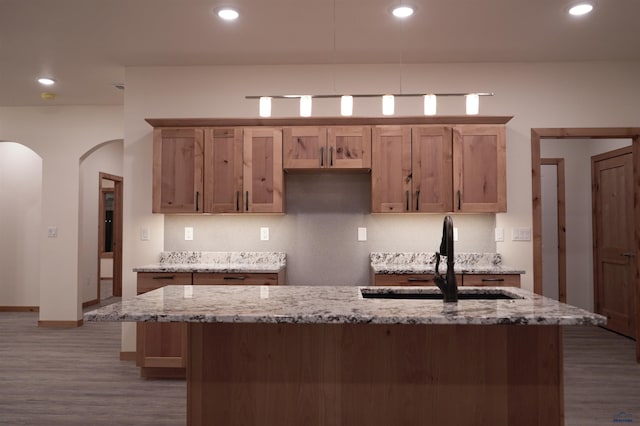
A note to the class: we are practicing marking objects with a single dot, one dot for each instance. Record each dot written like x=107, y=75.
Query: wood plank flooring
x=68, y=377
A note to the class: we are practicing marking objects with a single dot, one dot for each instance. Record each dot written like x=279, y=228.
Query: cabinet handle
x=406, y=196
x=492, y=280
x=246, y=202
x=331, y=157
x=628, y=254
x=321, y=156
x=459, y=200
x=237, y=201
x=424, y=280
x=164, y=277
x=234, y=278
x=197, y=201
x=417, y=200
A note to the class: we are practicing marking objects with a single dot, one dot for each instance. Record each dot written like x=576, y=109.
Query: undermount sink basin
x=433, y=295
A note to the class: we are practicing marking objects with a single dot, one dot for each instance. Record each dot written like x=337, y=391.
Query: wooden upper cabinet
x=263, y=181
x=349, y=147
x=315, y=148
x=304, y=147
x=223, y=170
x=432, y=165
x=479, y=169
x=391, y=169
x=177, y=170
x=411, y=169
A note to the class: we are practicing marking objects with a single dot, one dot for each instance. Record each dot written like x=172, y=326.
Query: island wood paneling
x=363, y=374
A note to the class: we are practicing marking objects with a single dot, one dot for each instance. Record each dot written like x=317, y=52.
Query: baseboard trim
x=44, y=323
x=127, y=356
x=19, y=309
x=90, y=303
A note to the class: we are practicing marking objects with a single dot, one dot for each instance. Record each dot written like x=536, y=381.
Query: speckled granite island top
x=223, y=262
x=337, y=305
x=425, y=263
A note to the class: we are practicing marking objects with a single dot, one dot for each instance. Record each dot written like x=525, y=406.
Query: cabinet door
x=177, y=170
x=349, y=147
x=262, y=178
x=223, y=170
x=479, y=164
x=432, y=168
x=304, y=147
x=391, y=169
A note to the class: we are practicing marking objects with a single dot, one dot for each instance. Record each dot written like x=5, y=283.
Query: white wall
x=577, y=155
x=106, y=158
x=60, y=136
x=20, y=218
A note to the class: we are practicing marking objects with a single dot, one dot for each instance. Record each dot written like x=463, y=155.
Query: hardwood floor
x=73, y=376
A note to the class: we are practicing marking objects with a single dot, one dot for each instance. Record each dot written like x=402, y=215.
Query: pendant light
x=265, y=106
x=388, y=105
x=430, y=104
x=473, y=104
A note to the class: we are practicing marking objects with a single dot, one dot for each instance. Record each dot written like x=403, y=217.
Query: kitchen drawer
x=148, y=281
x=403, y=279
x=216, y=278
x=492, y=280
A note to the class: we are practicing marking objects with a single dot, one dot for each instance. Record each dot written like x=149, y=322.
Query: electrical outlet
x=188, y=233
x=52, y=232
x=144, y=234
x=264, y=234
x=455, y=234
x=499, y=234
x=362, y=234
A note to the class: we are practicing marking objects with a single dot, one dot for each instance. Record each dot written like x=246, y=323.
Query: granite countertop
x=213, y=261
x=425, y=263
x=335, y=305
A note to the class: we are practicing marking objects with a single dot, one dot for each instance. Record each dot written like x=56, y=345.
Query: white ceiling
x=86, y=44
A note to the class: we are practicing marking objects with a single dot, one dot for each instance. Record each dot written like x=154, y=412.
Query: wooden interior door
x=391, y=169
x=223, y=170
x=479, y=169
x=304, y=147
x=432, y=168
x=349, y=147
x=614, y=263
x=177, y=170
x=263, y=182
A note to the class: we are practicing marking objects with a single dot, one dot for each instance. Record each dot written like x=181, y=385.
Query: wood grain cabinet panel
x=411, y=169
x=203, y=278
x=263, y=181
x=177, y=170
x=492, y=280
x=223, y=170
x=324, y=148
x=479, y=169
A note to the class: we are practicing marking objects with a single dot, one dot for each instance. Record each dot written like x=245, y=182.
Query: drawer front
x=148, y=281
x=492, y=280
x=403, y=279
x=234, y=279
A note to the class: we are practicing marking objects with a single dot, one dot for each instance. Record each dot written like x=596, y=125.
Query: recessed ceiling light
x=402, y=11
x=46, y=81
x=580, y=9
x=228, y=14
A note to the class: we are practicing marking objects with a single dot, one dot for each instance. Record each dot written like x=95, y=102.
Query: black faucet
x=447, y=284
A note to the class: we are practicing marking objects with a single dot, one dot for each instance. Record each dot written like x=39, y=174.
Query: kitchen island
x=296, y=355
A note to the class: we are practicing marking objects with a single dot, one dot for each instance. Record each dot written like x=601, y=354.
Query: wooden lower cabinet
x=489, y=280
x=161, y=348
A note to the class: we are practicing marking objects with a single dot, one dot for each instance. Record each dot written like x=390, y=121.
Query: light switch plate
x=362, y=234
x=188, y=233
x=521, y=234
x=264, y=234
x=499, y=234
x=144, y=234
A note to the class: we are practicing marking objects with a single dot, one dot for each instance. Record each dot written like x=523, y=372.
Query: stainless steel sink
x=428, y=294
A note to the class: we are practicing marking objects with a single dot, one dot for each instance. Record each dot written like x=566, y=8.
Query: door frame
x=117, y=230
x=562, y=227
x=537, y=134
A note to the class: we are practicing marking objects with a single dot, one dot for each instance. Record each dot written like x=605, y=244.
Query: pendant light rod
x=399, y=95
